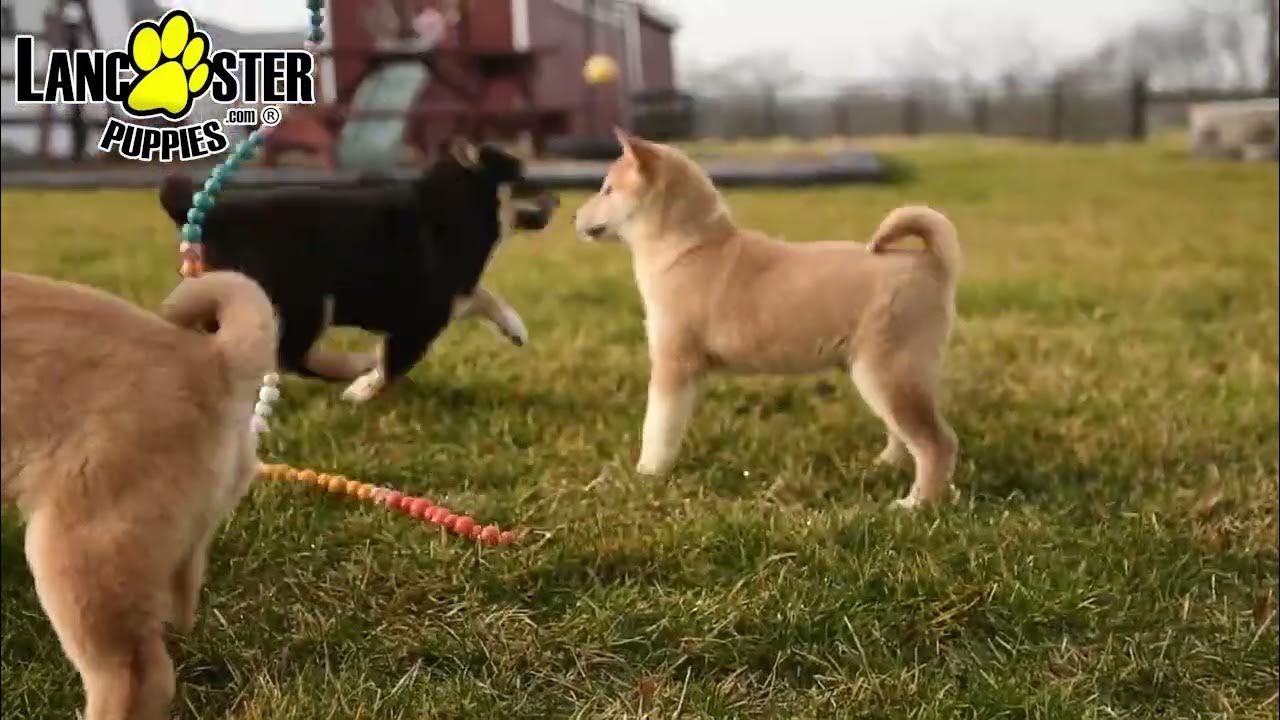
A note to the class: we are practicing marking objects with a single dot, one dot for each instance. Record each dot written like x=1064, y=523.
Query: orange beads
x=419, y=508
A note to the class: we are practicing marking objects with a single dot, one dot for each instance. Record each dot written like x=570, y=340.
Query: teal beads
x=317, y=21
x=202, y=202
x=248, y=147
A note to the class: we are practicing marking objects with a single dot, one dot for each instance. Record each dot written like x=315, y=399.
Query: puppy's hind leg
x=106, y=607
x=401, y=350
x=188, y=578
x=673, y=394
x=301, y=324
x=903, y=395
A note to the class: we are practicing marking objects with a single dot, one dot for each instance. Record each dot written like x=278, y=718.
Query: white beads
x=267, y=394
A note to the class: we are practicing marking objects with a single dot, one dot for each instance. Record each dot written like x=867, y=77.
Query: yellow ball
x=365, y=491
x=599, y=70
x=307, y=476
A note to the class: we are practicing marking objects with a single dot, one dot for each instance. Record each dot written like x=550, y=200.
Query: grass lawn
x=1113, y=553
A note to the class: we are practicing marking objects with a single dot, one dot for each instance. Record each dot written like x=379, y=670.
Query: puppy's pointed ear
x=638, y=150
x=465, y=152
x=623, y=137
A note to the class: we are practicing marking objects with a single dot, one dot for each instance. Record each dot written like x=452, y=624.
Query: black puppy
x=398, y=258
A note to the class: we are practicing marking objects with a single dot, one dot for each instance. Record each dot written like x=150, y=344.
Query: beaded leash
x=191, y=250
x=419, y=508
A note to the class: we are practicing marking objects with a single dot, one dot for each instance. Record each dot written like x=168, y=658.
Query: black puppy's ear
x=465, y=153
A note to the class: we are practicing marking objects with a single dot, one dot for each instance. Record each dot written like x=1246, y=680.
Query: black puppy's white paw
x=365, y=387
x=513, y=327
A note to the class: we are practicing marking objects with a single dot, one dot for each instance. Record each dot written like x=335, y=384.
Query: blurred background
x=1087, y=70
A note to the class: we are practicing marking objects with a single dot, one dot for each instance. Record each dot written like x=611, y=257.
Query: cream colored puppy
x=126, y=441
x=717, y=297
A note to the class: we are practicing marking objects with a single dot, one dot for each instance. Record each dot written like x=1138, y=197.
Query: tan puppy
x=720, y=298
x=126, y=441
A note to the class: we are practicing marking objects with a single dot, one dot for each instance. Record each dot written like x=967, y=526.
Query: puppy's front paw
x=650, y=466
x=365, y=387
x=649, y=469
x=513, y=327
x=908, y=503
x=914, y=502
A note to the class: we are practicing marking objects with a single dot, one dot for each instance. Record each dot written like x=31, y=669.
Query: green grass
x=1113, y=382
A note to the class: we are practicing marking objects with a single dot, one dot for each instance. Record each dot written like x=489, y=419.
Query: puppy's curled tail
x=246, y=334
x=933, y=227
x=175, y=196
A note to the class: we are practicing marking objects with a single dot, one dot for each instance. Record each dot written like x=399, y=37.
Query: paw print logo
x=172, y=62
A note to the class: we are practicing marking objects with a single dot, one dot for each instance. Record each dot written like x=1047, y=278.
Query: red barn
x=523, y=59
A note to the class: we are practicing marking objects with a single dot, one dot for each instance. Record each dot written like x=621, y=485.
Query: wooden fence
x=58, y=32
x=1061, y=111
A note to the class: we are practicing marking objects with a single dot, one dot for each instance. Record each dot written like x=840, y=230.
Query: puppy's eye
x=606, y=190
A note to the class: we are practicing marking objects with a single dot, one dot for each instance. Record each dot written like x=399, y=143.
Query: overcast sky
x=832, y=40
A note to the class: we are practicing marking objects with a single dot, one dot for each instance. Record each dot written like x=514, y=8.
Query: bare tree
x=760, y=78
x=968, y=62
x=1209, y=44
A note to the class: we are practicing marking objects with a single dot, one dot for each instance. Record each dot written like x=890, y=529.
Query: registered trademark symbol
x=271, y=116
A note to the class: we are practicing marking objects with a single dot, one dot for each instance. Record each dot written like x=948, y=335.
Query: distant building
x=636, y=35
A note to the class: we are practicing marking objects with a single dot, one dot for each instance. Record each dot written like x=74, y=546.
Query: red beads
x=393, y=499
x=418, y=508
x=463, y=525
